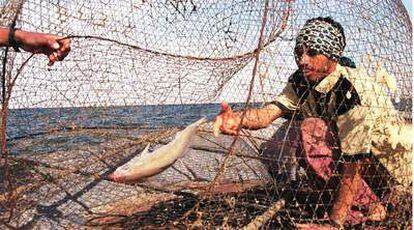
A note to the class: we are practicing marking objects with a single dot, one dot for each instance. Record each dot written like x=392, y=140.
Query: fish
x=147, y=164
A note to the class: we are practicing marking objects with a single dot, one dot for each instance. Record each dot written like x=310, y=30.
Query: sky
x=81, y=86
x=409, y=5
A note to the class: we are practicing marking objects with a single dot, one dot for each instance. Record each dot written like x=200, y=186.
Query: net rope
x=140, y=71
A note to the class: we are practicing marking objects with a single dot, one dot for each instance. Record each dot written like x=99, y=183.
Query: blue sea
x=35, y=121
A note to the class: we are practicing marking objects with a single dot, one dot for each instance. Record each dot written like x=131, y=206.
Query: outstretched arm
x=54, y=47
x=228, y=122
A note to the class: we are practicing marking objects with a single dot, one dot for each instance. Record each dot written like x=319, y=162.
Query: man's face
x=313, y=65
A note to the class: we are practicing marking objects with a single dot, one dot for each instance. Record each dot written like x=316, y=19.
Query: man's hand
x=226, y=121
x=54, y=47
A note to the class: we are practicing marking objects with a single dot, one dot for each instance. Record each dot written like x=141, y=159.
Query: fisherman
x=56, y=48
x=337, y=106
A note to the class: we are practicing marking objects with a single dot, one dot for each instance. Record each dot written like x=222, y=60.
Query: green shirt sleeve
x=287, y=99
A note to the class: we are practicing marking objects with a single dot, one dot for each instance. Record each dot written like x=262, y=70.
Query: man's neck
x=331, y=68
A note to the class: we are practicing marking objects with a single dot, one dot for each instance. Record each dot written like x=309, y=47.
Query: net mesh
x=139, y=71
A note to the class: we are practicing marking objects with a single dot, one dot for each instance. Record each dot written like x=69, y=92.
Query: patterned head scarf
x=321, y=37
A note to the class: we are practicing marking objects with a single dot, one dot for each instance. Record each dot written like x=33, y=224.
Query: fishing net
x=140, y=71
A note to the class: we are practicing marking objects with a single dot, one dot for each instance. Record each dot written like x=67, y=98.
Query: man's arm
x=228, y=122
x=55, y=47
x=260, y=118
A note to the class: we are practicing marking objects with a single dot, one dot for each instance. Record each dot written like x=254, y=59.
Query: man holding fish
x=339, y=108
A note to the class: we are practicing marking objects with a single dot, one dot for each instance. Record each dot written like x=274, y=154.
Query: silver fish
x=149, y=164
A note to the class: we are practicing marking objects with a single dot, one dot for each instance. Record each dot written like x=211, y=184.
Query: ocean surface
x=35, y=121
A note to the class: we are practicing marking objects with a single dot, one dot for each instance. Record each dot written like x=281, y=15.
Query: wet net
x=140, y=71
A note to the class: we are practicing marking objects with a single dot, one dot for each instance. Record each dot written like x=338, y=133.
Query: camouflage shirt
x=361, y=109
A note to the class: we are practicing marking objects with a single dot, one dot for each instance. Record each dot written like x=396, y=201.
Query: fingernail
x=56, y=46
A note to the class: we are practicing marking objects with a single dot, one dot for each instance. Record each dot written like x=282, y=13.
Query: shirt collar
x=327, y=83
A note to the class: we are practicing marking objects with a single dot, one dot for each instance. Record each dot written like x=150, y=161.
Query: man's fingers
x=225, y=108
x=55, y=46
x=52, y=43
x=224, y=125
x=226, y=122
x=65, y=53
x=232, y=132
x=60, y=55
x=216, y=126
x=64, y=48
x=52, y=58
x=65, y=44
x=59, y=46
